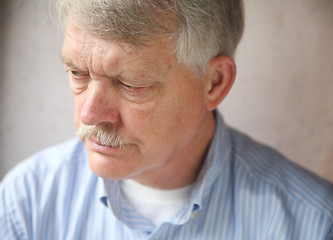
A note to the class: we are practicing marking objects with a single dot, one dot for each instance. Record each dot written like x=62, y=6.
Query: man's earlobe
x=221, y=74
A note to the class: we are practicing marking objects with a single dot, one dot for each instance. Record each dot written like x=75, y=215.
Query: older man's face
x=143, y=96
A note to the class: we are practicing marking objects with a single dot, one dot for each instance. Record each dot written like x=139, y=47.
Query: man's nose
x=99, y=106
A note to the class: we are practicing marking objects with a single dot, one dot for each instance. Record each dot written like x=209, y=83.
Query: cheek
x=139, y=120
x=78, y=103
x=185, y=115
x=164, y=120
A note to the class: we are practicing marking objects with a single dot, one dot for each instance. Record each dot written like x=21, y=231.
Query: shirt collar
x=215, y=161
x=218, y=155
x=102, y=192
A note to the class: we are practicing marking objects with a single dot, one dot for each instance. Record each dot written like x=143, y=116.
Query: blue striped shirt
x=245, y=191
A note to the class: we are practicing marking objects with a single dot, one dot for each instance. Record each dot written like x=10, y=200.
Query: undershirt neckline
x=154, y=204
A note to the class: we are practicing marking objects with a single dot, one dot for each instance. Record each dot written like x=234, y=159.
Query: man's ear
x=220, y=75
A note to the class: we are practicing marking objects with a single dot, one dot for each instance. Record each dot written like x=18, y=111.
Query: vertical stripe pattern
x=245, y=191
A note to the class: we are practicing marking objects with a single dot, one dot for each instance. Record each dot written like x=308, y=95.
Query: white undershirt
x=156, y=205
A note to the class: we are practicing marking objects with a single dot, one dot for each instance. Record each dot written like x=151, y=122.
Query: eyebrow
x=68, y=63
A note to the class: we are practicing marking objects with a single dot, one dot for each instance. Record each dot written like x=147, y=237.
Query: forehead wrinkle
x=111, y=58
x=74, y=53
x=82, y=48
x=107, y=56
x=109, y=61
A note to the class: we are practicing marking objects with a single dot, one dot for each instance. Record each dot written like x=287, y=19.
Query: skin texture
x=155, y=105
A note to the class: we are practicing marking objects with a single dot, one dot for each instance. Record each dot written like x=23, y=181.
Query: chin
x=108, y=167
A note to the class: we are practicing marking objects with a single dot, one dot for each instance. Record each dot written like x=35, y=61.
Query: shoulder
x=50, y=163
x=49, y=166
x=266, y=165
x=33, y=192
x=49, y=160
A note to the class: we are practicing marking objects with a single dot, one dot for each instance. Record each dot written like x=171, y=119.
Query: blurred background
x=283, y=95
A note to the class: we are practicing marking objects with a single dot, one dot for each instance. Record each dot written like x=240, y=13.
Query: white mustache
x=104, y=133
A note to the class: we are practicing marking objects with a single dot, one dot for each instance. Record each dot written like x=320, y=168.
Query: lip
x=96, y=146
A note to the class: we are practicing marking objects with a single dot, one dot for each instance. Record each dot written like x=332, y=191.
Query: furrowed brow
x=68, y=63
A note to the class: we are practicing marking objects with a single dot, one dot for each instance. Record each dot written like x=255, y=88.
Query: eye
x=78, y=74
x=129, y=87
x=75, y=73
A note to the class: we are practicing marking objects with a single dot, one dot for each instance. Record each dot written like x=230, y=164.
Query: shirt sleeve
x=330, y=234
x=10, y=222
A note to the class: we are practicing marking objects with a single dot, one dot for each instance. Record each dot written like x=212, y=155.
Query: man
x=156, y=160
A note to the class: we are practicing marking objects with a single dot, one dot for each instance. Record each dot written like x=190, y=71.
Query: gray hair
x=204, y=28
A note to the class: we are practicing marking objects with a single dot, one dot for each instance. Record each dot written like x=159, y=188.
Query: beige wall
x=35, y=102
x=283, y=94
